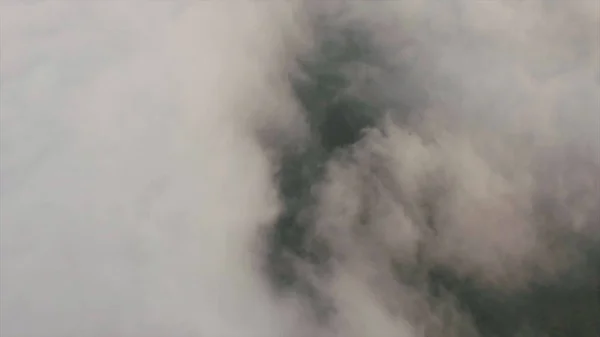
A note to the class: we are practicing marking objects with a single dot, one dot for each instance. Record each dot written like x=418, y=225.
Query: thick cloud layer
x=406, y=168
x=468, y=202
x=131, y=191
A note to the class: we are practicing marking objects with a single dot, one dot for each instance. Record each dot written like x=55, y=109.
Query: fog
x=151, y=152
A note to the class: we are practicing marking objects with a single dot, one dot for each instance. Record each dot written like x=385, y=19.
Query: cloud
x=130, y=196
x=472, y=184
x=142, y=147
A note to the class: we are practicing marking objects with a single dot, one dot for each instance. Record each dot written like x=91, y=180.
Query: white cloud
x=129, y=201
x=133, y=187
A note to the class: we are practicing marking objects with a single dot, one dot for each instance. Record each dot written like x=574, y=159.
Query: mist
x=407, y=168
